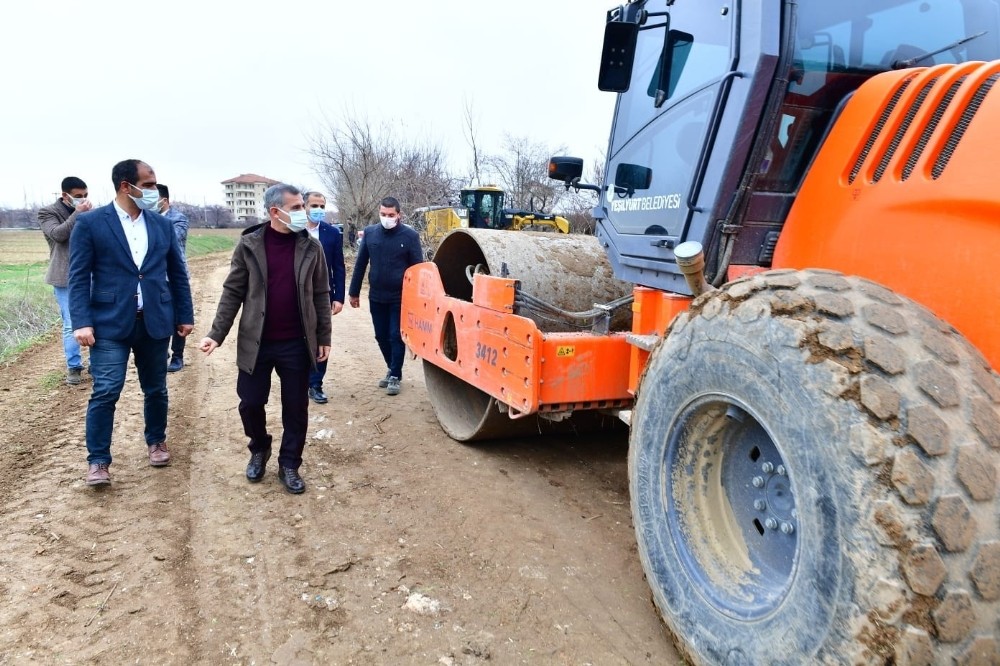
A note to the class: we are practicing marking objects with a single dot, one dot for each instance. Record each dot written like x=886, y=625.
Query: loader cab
x=723, y=105
x=485, y=206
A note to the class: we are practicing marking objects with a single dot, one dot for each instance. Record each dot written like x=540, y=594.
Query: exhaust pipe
x=691, y=260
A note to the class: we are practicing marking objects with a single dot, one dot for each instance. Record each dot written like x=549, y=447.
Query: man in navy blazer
x=332, y=241
x=128, y=292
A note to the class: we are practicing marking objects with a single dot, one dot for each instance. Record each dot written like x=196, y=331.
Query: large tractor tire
x=813, y=471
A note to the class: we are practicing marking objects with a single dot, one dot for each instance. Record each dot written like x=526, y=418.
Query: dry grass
x=28, y=311
x=23, y=246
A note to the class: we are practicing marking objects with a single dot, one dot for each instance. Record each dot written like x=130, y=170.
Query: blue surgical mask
x=317, y=214
x=148, y=200
x=297, y=219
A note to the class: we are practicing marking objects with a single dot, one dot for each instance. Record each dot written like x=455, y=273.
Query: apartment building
x=245, y=195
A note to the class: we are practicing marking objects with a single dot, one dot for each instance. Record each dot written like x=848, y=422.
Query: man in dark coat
x=279, y=278
x=391, y=247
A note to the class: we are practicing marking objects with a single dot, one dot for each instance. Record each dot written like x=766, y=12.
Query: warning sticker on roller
x=565, y=350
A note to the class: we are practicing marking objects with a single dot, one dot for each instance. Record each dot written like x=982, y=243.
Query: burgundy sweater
x=281, y=316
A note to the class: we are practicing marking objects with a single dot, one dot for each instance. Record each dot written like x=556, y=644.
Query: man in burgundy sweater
x=285, y=326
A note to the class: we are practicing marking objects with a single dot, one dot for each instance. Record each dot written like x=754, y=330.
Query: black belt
x=138, y=314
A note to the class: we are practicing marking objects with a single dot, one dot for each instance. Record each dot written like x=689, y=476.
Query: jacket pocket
x=102, y=297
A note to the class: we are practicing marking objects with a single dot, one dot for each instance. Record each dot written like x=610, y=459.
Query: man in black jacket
x=391, y=247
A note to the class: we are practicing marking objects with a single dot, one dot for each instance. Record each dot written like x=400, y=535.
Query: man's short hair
x=390, y=202
x=274, y=196
x=127, y=170
x=310, y=193
x=72, y=183
x=163, y=190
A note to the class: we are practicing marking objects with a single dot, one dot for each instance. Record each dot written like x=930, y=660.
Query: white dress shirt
x=138, y=242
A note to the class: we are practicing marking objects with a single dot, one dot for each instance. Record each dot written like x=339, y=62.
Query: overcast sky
x=205, y=90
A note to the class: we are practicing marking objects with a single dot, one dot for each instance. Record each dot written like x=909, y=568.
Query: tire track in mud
x=89, y=575
x=526, y=545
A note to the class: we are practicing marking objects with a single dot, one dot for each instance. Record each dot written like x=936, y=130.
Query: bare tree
x=360, y=164
x=355, y=163
x=521, y=169
x=19, y=218
x=472, y=138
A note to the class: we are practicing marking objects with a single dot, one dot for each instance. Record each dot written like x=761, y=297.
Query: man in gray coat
x=278, y=276
x=57, y=222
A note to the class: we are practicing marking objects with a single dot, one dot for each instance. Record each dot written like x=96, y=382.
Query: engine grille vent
x=877, y=130
x=963, y=124
x=932, y=124
x=904, y=126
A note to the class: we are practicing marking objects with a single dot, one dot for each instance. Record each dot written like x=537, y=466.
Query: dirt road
x=407, y=548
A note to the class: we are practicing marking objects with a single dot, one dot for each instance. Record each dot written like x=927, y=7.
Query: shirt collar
x=123, y=214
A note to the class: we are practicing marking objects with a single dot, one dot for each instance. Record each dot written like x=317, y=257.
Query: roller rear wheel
x=813, y=470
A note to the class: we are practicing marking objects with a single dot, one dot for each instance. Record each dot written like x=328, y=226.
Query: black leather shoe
x=291, y=480
x=257, y=465
x=317, y=395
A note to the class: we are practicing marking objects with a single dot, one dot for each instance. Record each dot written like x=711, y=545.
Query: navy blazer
x=332, y=242
x=103, y=277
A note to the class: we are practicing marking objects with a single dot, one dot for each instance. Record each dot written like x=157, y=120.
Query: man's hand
x=355, y=302
x=208, y=345
x=324, y=353
x=184, y=330
x=84, y=336
x=336, y=307
x=84, y=206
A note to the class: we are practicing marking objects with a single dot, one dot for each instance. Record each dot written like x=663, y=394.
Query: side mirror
x=618, y=56
x=632, y=177
x=565, y=169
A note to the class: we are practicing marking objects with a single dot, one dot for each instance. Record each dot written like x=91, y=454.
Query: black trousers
x=385, y=320
x=291, y=359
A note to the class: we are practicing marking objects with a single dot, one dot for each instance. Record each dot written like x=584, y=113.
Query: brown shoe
x=98, y=474
x=158, y=455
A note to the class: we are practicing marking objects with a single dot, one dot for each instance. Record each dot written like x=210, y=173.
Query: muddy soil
x=406, y=548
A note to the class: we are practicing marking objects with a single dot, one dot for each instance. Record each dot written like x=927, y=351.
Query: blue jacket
x=391, y=252
x=103, y=278
x=180, y=222
x=332, y=242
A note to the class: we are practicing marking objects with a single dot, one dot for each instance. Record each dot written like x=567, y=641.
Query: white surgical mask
x=148, y=200
x=74, y=202
x=388, y=222
x=296, y=219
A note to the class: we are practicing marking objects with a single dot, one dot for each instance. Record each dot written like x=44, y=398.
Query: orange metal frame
x=505, y=355
x=933, y=239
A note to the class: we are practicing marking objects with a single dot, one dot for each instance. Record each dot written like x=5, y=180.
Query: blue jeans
x=385, y=319
x=70, y=346
x=108, y=365
x=317, y=375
